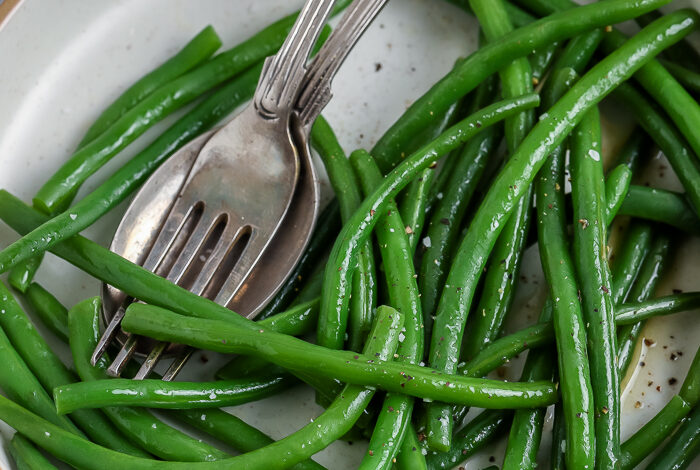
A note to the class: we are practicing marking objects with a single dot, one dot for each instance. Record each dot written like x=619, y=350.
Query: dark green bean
x=402, y=291
x=51, y=372
x=557, y=456
x=155, y=393
x=339, y=270
x=688, y=78
x=482, y=430
x=660, y=205
x=198, y=50
x=643, y=289
x=690, y=390
x=635, y=150
x=63, y=184
x=682, y=448
x=636, y=245
x=344, y=366
x=141, y=426
x=494, y=57
x=26, y=456
x=591, y=261
x=446, y=220
x=49, y=310
x=506, y=257
x=667, y=138
x=514, y=179
x=347, y=190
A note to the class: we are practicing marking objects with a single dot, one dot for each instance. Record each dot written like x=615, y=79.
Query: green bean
x=690, y=390
x=579, y=51
x=22, y=275
x=51, y=372
x=339, y=269
x=155, y=393
x=347, y=191
x=688, y=78
x=494, y=57
x=575, y=382
x=617, y=184
x=504, y=264
x=26, y=456
x=557, y=456
x=129, y=177
x=647, y=280
x=660, y=205
x=633, y=312
x=327, y=228
x=141, y=426
x=345, y=366
x=683, y=447
x=635, y=150
x=410, y=453
x=648, y=438
x=683, y=53
x=590, y=259
x=446, y=220
x=541, y=61
x=635, y=248
x=482, y=430
x=513, y=180
x=195, y=52
x=63, y=184
x=290, y=450
x=402, y=291
x=49, y=310
x=667, y=138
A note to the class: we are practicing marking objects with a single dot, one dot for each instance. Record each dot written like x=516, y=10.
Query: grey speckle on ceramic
x=57, y=75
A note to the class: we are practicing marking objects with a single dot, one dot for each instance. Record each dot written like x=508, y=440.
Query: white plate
x=62, y=62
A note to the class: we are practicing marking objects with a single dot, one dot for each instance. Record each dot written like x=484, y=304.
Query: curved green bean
x=627, y=264
x=686, y=77
x=410, y=453
x=660, y=205
x=495, y=56
x=141, y=426
x=617, y=184
x=50, y=311
x=155, y=393
x=402, y=291
x=26, y=456
x=344, y=366
x=683, y=446
x=347, y=190
x=513, y=180
x=643, y=288
x=51, y=372
x=340, y=268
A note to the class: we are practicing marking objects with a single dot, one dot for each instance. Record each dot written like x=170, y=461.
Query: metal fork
x=210, y=242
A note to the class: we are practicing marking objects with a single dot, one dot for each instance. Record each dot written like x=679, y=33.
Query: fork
x=212, y=239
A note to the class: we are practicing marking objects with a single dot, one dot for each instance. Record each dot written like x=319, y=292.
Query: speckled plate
x=62, y=61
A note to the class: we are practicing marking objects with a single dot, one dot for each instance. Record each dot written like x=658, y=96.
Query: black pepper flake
x=492, y=459
x=642, y=364
x=377, y=67
x=673, y=356
x=649, y=342
x=672, y=381
x=445, y=221
x=677, y=291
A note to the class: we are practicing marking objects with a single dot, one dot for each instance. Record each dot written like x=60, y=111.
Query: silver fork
x=238, y=228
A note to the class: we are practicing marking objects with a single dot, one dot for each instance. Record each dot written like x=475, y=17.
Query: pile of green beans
x=396, y=331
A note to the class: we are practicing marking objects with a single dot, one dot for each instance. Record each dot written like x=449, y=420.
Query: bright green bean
x=21, y=276
x=49, y=310
x=51, y=372
x=347, y=191
x=682, y=448
x=26, y=456
x=402, y=291
x=660, y=205
x=688, y=78
x=494, y=57
x=340, y=268
x=410, y=454
x=636, y=245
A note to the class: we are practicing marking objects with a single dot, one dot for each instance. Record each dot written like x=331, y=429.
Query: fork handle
x=316, y=89
x=283, y=73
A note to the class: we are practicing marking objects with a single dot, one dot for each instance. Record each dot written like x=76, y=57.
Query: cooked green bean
x=617, y=184
x=643, y=289
x=155, y=393
x=494, y=57
x=344, y=366
x=660, y=205
x=482, y=430
x=683, y=53
x=591, y=261
x=26, y=456
x=636, y=245
x=513, y=180
x=347, y=190
x=198, y=50
x=51, y=372
x=446, y=220
x=682, y=448
x=175, y=94
x=340, y=268
x=410, y=454
x=504, y=265
x=402, y=291
x=688, y=78
x=667, y=138
x=557, y=456
x=635, y=150
x=22, y=274
x=141, y=426
x=690, y=390
x=50, y=311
